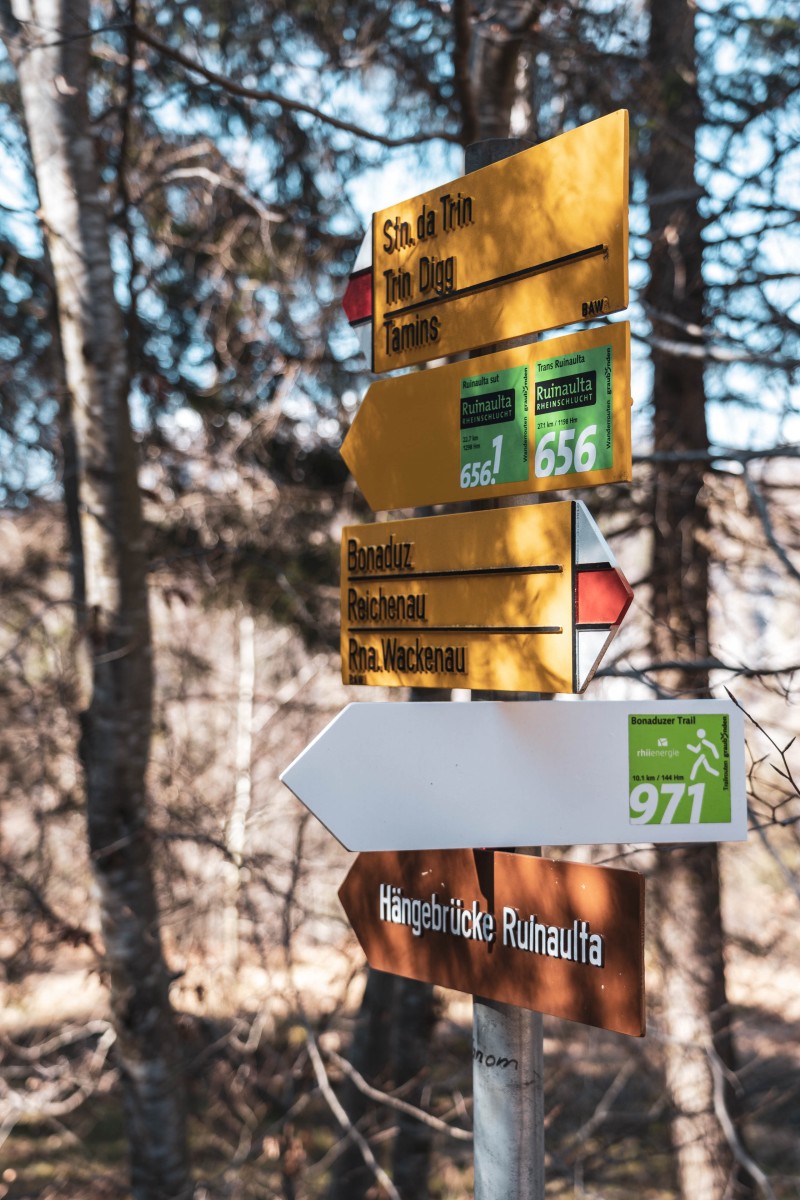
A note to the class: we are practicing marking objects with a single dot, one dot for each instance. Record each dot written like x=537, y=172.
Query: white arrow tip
x=590, y=545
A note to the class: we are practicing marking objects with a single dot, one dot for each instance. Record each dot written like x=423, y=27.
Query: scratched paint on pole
x=516, y=599
x=551, y=415
x=526, y=244
x=558, y=937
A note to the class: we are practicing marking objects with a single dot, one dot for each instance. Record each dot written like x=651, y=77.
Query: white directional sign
x=445, y=776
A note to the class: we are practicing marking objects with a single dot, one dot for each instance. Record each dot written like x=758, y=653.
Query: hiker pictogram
x=701, y=760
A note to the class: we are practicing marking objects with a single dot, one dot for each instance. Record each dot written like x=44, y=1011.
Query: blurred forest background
x=183, y=189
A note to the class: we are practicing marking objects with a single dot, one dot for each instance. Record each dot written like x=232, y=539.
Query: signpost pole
x=472, y=600
x=507, y=1042
x=508, y=1102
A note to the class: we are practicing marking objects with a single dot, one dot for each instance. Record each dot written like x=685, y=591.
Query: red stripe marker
x=602, y=597
x=358, y=299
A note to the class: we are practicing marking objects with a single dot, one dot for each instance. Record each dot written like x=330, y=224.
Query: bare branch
x=75, y=935
x=216, y=180
x=606, y=1102
x=67, y=1037
x=719, y=354
x=696, y=665
x=11, y=31
x=781, y=751
x=343, y=1119
x=265, y=95
x=721, y=454
x=57, y=1097
x=762, y=513
x=718, y=1074
x=788, y=876
x=402, y=1106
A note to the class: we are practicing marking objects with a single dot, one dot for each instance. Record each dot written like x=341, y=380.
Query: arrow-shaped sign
x=526, y=244
x=448, y=775
x=557, y=937
x=555, y=414
x=514, y=599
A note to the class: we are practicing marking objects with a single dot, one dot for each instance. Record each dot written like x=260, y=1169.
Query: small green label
x=573, y=410
x=679, y=769
x=494, y=428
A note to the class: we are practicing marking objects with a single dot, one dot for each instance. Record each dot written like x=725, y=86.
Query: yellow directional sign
x=535, y=241
x=554, y=414
x=515, y=599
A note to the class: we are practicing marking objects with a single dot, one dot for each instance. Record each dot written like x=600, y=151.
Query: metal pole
x=508, y=1102
x=507, y=1042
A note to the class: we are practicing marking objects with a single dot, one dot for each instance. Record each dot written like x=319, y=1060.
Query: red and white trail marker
x=357, y=299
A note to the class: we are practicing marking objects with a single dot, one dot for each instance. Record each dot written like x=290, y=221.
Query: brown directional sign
x=561, y=938
x=535, y=241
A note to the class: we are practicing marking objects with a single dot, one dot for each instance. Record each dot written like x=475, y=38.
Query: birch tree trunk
x=237, y=824
x=48, y=43
x=689, y=925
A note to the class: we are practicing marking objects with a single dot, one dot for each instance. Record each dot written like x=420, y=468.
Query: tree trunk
x=488, y=43
x=696, y=1014
x=48, y=44
x=413, y=1015
x=235, y=835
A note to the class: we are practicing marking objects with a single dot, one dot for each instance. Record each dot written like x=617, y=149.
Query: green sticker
x=494, y=428
x=679, y=769
x=573, y=409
